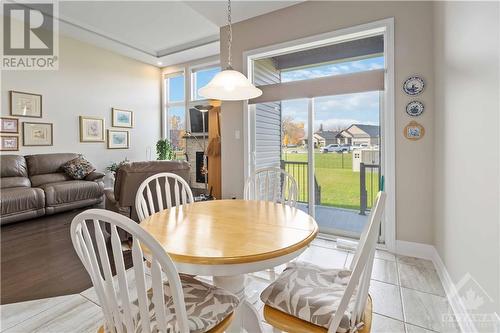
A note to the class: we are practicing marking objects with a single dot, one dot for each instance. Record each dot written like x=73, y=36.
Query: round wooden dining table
x=227, y=239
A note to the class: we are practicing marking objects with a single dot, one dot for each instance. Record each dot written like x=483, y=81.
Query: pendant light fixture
x=229, y=85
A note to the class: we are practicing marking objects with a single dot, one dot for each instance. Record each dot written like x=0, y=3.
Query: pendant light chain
x=229, y=84
x=230, y=37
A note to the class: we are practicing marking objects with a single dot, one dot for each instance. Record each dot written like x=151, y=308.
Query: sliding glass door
x=346, y=160
x=335, y=161
x=321, y=118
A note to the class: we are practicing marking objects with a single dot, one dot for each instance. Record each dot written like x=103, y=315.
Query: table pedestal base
x=246, y=316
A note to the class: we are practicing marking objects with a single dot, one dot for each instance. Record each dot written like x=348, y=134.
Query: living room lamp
x=229, y=85
x=204, y=110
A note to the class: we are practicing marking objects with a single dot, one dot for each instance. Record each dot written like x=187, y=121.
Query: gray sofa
x=34, y=185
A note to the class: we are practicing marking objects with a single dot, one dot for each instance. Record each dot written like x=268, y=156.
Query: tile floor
x=407, y=297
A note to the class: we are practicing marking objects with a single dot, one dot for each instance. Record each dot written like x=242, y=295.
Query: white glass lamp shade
x=229, y=85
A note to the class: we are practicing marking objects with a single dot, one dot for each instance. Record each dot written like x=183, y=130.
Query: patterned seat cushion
x=206, y=306
x=310, y=293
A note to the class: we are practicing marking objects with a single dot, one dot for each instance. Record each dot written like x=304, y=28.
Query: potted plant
x=110, y=172
x=164, y=150
x=113, y=167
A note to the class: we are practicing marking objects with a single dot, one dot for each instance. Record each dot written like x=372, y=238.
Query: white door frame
x=385, y=27
x=311, y=194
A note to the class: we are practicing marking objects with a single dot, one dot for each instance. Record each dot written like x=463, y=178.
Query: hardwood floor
x=38, y=259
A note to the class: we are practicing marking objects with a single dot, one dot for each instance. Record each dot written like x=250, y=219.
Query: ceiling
x=160, y=33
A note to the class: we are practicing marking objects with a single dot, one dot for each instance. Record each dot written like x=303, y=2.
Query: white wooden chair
x=168, y=305
x=272, y=184
x=156, y=191
x=353, y=310
x=275, y=185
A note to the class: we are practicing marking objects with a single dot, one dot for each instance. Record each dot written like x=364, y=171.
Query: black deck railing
x=369, y=185
x=299, y=171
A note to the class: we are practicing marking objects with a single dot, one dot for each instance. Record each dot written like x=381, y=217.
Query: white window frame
x=167, y=104
x=192, y=71
x=189, y=101
x=385, y=27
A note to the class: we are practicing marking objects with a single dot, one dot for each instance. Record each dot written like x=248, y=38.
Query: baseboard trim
x=412, y=249
x=458, y=307
x=429, y=252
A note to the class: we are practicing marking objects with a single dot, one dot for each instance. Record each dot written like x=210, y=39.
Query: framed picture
x=91, y=129
x=118, y=139
x=414, y=131
x=9, y=125
x=9, y=143
x=25, y=104
x=37, y=134
x=122, y=118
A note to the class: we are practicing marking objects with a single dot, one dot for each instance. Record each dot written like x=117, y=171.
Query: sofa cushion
x=13, y=166
x=95, y=176
x=78, y=168
x=13, y=171
x=19, y=199
x=8, y=182
x=47, y=163
x=70, y=191
x=39, y=180
x=311, y=293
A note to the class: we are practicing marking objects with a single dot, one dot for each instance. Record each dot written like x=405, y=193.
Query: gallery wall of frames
x=24, y=126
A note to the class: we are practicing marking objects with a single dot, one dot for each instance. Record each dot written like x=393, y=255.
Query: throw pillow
x=78, y=168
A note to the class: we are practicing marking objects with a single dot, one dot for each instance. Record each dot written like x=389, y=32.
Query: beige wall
x=413, y=47
x=467, y=230
x=90, y=81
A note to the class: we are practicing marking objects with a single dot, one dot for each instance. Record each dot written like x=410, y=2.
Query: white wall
x=413, y=47
x=467, y=221
x=90, y=81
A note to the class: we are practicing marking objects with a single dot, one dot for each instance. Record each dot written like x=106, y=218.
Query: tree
x=177, y=132
x=292, y=132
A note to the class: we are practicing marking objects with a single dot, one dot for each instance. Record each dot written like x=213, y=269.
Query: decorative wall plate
x=413, y=86
x=414, y=131
x=415, y=108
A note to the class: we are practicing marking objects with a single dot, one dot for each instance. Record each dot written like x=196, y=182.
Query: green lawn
x=339, y=184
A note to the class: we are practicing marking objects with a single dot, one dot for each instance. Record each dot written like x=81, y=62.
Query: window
x=176, y=110
x=346, y=57
x=176, y=88
x=336, y=68
x=200, y=78
x=180, y=92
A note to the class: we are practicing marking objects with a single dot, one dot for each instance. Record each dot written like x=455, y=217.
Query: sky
x=331, y=111
x=339, y=110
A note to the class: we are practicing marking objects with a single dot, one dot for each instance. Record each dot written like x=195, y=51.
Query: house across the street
x=318, y=140
x=358, y=134
x=328, y=136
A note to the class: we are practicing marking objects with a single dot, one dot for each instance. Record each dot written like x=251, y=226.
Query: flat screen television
x=196, y=121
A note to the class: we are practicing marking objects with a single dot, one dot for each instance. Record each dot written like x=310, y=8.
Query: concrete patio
x=338, y=221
